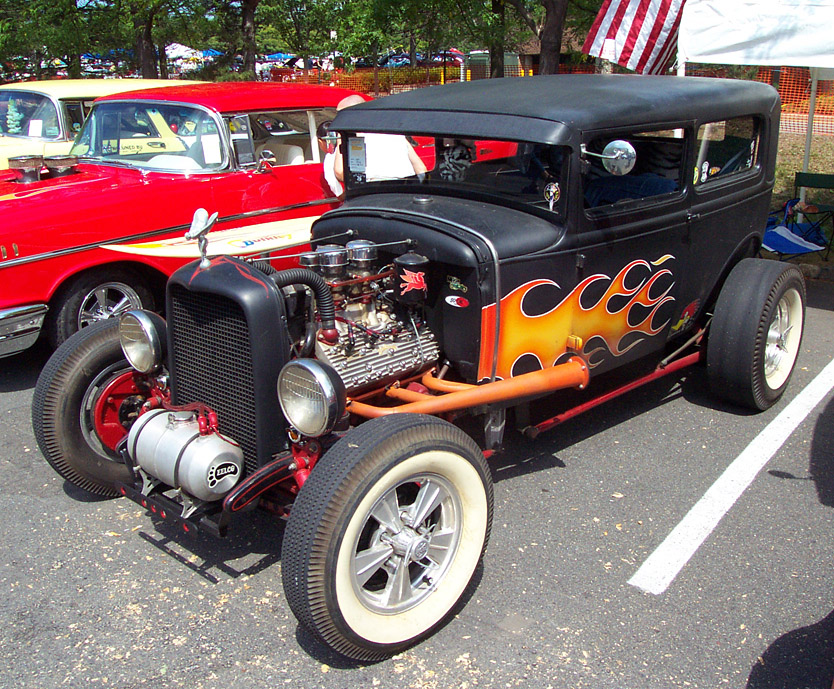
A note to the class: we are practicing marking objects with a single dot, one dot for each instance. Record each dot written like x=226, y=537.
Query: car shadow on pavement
x=21, y=371
x=820, y=296
x=800, y=659
x=523, y=455
x=245, y=551
x=821, y=465
x=804, y=658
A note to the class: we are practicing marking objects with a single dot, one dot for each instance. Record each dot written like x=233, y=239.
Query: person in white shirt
x=387, y=156
x=327, y=144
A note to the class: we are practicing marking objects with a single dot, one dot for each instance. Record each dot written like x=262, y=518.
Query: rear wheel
x=386, y=534
x=756, y=332
x=83, y=403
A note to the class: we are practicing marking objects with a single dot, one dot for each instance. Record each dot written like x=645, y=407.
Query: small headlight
x=312, y=396
x=142, y=336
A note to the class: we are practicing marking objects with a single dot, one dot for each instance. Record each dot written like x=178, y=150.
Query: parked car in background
x=43, y=117
x=99, y=236
x=572, y=238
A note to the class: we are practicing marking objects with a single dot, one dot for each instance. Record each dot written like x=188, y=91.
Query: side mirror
x=618, y=156
x=266, y=160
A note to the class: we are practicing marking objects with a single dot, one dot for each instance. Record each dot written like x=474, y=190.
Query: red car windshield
x=153, y=136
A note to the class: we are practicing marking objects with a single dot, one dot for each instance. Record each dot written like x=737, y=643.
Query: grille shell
x=227, y=343
x=210, y=334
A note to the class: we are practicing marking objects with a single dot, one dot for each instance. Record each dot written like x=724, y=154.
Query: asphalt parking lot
x=96, y=594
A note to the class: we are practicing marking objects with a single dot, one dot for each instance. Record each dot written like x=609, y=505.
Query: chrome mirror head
x=618, y=157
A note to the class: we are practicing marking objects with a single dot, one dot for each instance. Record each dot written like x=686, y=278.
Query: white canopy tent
x=178, y=51
x=762, y=32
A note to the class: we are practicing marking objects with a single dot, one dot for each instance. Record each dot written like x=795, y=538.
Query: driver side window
x=656, y=173
x=241, y=137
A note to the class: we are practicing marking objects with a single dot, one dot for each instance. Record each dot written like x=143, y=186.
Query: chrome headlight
x=142, y=335
x=312, y=396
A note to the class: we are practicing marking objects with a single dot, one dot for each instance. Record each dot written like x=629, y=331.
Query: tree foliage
x=50, y=32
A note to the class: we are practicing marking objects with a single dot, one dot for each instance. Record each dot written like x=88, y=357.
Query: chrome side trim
x=20, y=327
x=155, y=233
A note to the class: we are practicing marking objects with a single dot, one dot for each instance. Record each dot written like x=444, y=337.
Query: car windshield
x=27, y=114
x=523, y=173
x=160, y=136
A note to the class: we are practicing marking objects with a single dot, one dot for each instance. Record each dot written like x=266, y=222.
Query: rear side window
x=76, y=113
x=657, y=171
x=290, y=135
x=726, y=148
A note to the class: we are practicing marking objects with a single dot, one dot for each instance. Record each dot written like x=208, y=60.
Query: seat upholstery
x=284, y=154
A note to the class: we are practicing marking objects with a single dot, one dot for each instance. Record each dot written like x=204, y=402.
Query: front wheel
x=84, y=401
x=386, y=534
x=756, y=332
x=93, y=297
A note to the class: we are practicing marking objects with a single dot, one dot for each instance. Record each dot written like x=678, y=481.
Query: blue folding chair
x=787, y=238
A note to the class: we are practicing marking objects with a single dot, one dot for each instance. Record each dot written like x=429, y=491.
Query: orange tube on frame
x=572, y=374
x=441, y=385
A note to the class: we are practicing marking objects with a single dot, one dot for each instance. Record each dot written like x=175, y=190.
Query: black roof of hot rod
x=554, y=109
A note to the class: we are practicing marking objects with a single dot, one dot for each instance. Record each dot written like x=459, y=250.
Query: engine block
x=377, y=362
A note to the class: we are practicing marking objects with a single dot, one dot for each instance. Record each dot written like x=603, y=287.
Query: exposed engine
x=368, y=324
x=382, y=334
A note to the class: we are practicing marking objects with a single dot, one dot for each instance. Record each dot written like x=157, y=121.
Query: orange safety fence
x=793, y=84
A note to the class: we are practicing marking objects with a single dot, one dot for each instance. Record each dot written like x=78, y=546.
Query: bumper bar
x=169, y=511
x=20, y=327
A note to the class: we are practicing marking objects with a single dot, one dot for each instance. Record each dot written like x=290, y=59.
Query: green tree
x=548, y=28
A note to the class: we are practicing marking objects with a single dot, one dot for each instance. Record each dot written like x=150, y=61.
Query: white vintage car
x=43, y=117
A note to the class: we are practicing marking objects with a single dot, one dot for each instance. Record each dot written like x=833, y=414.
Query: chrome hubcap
x=106, y=301
x=406, y=544
x=782, y=344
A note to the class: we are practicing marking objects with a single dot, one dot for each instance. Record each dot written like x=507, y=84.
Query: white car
x=43, y=117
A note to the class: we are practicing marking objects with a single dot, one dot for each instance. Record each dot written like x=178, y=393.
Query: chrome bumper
x=20, y=327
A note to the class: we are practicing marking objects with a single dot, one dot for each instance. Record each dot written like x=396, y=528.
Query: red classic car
x=100, y=231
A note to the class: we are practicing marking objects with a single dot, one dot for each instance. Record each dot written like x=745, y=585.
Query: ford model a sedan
x=96, y=233
x=572, y=237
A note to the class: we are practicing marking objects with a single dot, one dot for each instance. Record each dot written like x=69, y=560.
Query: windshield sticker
x=356, y=154
x=35, y=127
x=552, y=194
x=211, y=150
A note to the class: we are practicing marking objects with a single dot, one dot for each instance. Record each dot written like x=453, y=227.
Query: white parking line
x=664, y=564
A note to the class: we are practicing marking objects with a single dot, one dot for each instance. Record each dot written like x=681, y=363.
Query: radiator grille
x=212, y=363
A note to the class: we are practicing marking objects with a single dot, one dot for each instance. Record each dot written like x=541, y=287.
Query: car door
x=730, y=197
x=632, y=246
x=289, y=184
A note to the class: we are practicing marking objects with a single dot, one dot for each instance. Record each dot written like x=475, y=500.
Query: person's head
x=349, y=101
x=326, y=139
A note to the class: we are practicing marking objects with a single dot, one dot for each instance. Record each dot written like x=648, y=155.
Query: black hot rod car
x=571, y=238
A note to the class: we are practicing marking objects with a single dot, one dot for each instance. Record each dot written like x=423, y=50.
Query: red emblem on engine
x=412, y=281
